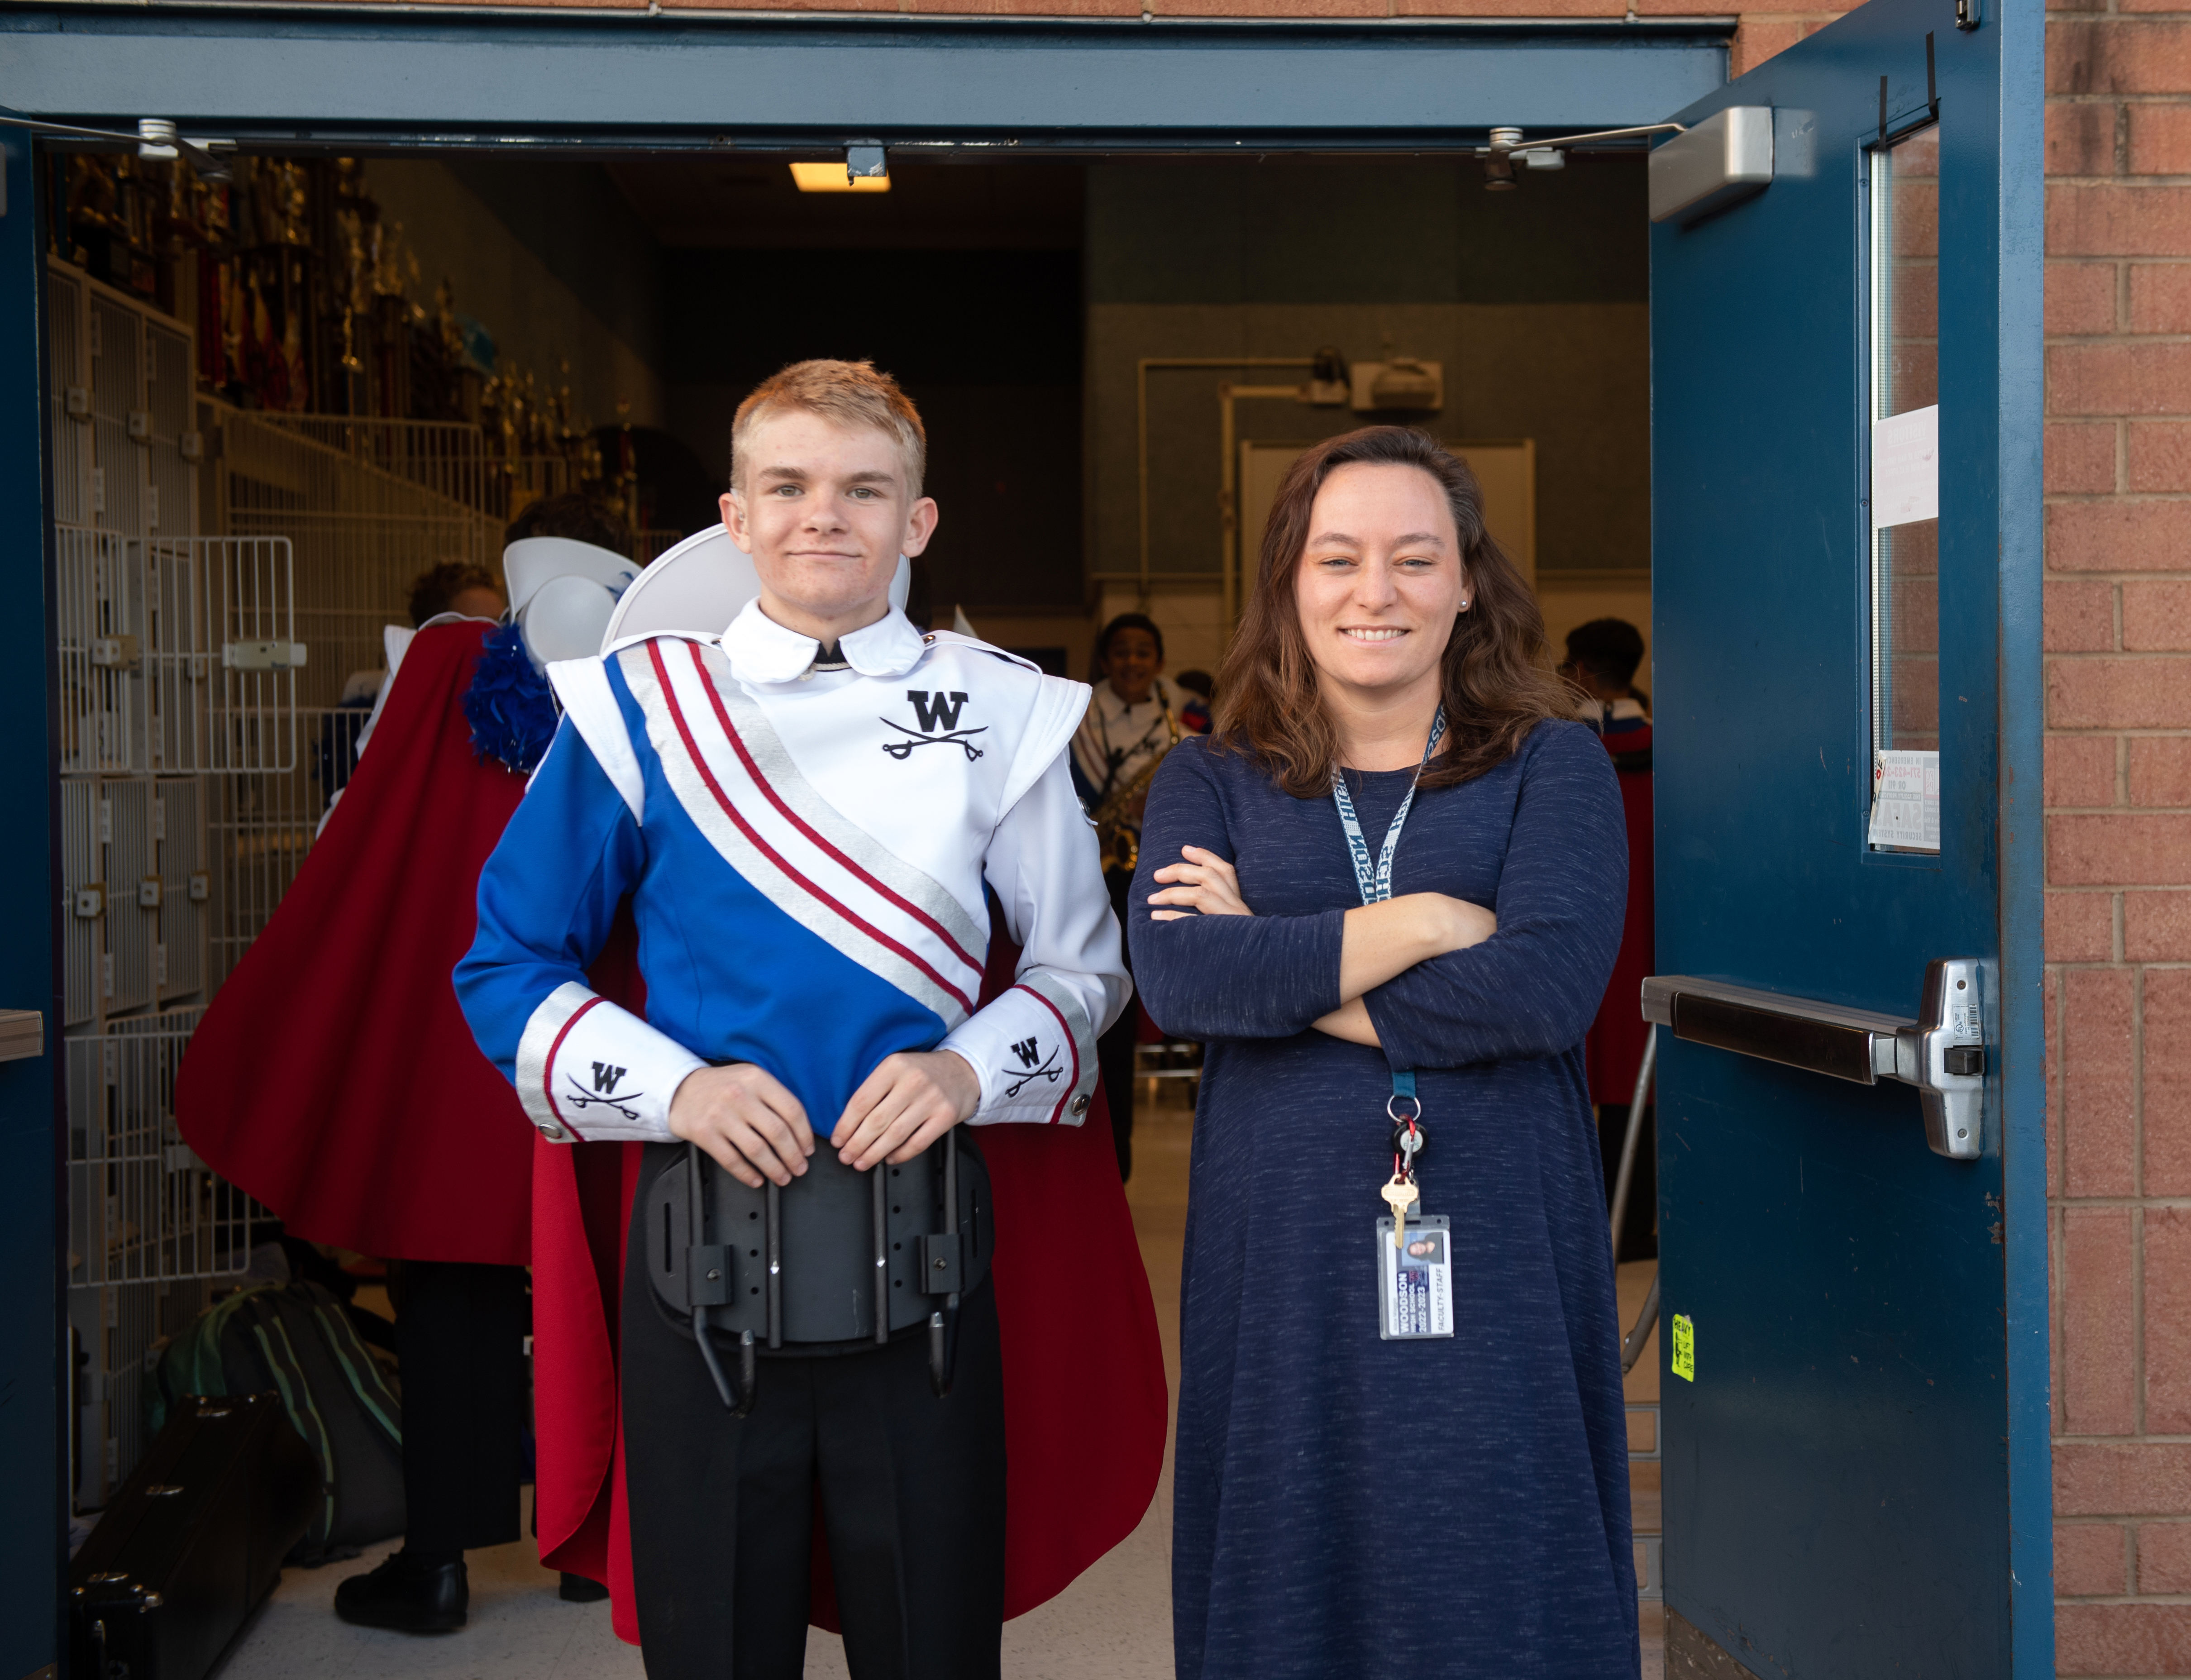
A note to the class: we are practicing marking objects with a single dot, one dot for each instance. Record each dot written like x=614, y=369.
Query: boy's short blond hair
x=848, y=393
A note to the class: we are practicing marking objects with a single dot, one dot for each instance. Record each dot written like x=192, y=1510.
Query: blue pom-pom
x=509, y=706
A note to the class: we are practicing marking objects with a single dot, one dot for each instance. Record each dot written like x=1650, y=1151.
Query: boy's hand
x=912, y=1099
x=745, y=1116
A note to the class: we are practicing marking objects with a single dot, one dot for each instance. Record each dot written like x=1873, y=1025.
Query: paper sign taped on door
x=1905, y=468
x=1905, y=801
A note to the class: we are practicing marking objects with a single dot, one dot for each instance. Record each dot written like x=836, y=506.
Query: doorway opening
x=284, y=398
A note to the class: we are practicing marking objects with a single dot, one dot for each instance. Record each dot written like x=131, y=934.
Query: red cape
x=1084, y=1393
x=333, y=1076
x=1613, y=1051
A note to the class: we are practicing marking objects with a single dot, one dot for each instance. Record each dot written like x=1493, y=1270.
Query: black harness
x=837, y=1262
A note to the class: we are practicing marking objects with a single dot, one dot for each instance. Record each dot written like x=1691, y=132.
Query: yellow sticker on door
x=1684, y=1348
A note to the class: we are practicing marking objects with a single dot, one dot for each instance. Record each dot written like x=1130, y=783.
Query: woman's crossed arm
x=1380, y=941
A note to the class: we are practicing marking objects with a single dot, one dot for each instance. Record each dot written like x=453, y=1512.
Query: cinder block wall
x=2118, y=827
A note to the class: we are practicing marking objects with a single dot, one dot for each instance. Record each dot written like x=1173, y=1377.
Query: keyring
x=1398, y=1118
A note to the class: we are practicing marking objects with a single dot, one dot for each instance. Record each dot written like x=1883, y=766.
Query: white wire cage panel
x=361, y=533
x=258, y=828
x=68, y=406
x=223, y=657
x=149, y=1225
x=533, y=476
x=185, y=887
x=118, y=1329
x=100, y=604
x=447, y=458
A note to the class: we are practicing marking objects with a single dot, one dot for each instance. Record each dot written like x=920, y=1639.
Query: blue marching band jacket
x=806, y=853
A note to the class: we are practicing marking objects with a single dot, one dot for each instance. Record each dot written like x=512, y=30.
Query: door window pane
x=1904, y=500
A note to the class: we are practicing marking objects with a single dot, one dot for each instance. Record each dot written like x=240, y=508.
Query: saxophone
x=1118, y=834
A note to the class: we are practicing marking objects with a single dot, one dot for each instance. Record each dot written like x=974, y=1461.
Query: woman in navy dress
x=1347, y=1505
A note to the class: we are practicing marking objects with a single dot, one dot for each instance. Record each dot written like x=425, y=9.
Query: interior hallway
x=1114, y=1623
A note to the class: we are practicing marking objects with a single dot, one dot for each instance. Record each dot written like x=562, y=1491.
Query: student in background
x=1133, y=720
x=1602, y=662
x=419, y=1154
x=1197, y=690
x=455, y=586
x=459, y=587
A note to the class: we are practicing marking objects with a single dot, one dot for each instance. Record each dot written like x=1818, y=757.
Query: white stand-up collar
x=760, y=650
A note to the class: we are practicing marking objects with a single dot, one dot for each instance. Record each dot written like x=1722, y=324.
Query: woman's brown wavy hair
x=1497, y=685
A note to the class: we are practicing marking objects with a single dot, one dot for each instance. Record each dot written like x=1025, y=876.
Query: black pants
x=460, y=1334
x=911, y=1490
x=1639, y=1231
x=1115, y=1049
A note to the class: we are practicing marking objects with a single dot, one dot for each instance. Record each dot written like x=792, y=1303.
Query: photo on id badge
x=1415, y=1296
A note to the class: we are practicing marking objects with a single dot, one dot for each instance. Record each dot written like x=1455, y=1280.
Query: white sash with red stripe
x=732, y=776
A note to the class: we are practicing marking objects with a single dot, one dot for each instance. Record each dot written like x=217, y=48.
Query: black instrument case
x=192, y=1542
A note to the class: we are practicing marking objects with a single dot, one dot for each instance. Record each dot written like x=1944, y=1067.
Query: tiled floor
x=1114, y=1623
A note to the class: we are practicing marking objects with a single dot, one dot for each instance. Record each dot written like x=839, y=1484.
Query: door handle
x=1943, y=1052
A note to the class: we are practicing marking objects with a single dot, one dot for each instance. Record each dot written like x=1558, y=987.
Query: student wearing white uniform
x=803, y=814
x=1134, y=720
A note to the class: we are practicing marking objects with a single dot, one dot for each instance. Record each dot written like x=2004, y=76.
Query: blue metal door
x=1856, y=1465
x=33, y=1374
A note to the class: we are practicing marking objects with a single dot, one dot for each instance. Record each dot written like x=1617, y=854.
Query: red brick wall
x=2118, y=827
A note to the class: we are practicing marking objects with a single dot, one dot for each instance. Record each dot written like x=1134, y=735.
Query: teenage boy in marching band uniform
x=803, y=814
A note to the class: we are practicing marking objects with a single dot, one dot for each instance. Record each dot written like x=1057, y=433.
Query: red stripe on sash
x=1056, y=1114
x=731, y=811
x=548, y=1071
x=723, y=717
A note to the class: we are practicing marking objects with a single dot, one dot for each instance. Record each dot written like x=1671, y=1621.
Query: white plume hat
x=531, y=561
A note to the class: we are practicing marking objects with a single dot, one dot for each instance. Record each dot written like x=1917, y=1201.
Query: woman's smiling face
x=1380, y=578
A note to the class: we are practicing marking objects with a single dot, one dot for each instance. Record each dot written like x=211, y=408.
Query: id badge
x=1415, y=1293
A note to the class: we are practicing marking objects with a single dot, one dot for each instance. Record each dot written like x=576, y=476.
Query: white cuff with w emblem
x=588, y=1070
x=1034, y=1048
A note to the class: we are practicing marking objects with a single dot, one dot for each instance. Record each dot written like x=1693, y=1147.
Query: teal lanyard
x=1376, y=881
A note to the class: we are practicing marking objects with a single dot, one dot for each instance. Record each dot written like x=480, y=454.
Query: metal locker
x=186, y=885
x=132, y=894
x=119, y=422
x=178, y=662
x=99, y=605
x=68, y=334
x=83, y=904
x=171, y=473
x=147, y=1223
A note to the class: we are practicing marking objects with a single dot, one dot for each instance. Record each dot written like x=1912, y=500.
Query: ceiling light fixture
x=832, y=177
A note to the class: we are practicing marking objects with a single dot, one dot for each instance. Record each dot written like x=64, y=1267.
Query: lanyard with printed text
x=1376, y=882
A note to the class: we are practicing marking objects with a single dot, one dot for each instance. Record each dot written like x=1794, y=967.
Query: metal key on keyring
x=1400, y=1193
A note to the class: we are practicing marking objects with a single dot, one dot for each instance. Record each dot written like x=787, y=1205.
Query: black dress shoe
x=406, y=1595
x=577, y=1590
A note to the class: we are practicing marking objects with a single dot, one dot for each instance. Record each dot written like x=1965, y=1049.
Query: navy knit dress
x=1347, y=1507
